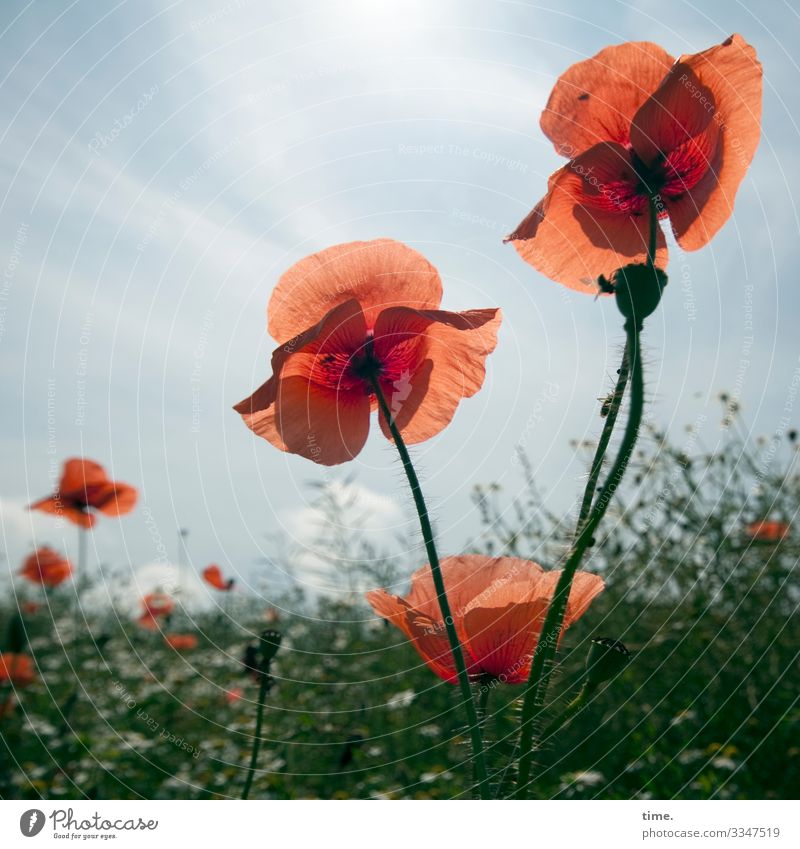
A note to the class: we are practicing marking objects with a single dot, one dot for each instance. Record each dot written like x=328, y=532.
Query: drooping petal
x=310, y=406
x=426, y=632
x=593, y=220
x=112, y=498
x=378, y=274
x=61, y=507
x=724, y=81
x=425, y=381
x=595, y=100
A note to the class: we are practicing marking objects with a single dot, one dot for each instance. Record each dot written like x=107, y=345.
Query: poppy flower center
x=391, y=360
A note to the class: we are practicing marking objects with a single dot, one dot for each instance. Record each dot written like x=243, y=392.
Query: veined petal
x=595, y=100
x=732, y=75
x=449, y=366
x=592, y=221
x=378, y=274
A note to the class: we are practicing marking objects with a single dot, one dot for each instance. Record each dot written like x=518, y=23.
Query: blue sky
x=162, y=164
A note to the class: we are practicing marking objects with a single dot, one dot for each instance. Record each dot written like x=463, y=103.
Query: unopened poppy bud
x=638, y=289
x=607, y=658
x=270, y=643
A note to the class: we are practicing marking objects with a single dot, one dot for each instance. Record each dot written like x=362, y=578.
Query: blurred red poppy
x=498, y=605
x=767, y=531
x=181, y=642
x=16, y=669
x=84, y=487
x=213, y=575
x=46, y=567
x=353, y=316
x=158, y=604
x=634, y=123
x=29, y=607
x=234, y=695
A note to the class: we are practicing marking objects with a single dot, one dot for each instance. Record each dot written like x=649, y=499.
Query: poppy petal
x=423, y=397
x=63, y=508
x=305, y=408
x=377, y=274
x=504, y=638
x=591, y=222
x=112, y=499
x=78, y=474
x=595, y=100
x=732, y=74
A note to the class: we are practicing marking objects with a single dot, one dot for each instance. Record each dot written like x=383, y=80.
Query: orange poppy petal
x=78, y=474
x=423, y=398
x=732, y=74
x=63, y=508
x=307, y=408
x=504, y=638
x=113, y=499
x=589, y=223
x=378, y=274
x=595, y=100
x=323, y=425
x=433, y=646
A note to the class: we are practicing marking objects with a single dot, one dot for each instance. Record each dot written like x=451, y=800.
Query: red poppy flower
x=158, y=604
x=46, y=567
x=181, y=642
x=16, y=669
x=85, y=487
x=498, y=606
x=354, y=314
x=767, y=531
x=213, y=575
x=234, y=695
x=635, y=123
x=29, y=607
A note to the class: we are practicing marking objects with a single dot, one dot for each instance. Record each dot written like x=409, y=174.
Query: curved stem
x=602, y=445
x=569, y=711
x=542, y=665
x=479, y=758
x=262, y=695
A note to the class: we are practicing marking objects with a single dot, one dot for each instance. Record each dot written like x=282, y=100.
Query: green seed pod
x=606, y=659
x=638, y=289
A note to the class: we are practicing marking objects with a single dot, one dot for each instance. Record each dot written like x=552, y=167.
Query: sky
x=163, y=164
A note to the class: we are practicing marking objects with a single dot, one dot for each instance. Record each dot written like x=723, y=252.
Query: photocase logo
x=31, y=822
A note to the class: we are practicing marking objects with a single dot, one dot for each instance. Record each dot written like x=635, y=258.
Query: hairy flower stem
x=251, y=769
x=605, y=437
x=542, y=665
x=479, y=758
x=569, y=712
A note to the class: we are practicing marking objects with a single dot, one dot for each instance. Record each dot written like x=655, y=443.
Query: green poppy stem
x=543, y=658
x=586, y=691
x=473, y=723
x=251, y=770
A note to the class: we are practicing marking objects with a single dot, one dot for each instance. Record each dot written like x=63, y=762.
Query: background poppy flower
x=498, y=604
x=16, y=669
x=635, y=124
x=767, y=531
x=158, y=604
x=234, y=695
x=46, y=567
x=352, y=314
x=84, y=487
x=213, y=575
x=181, y=642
